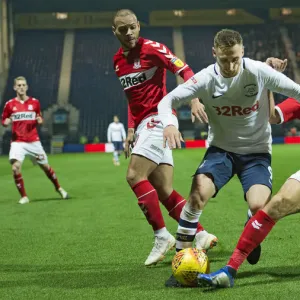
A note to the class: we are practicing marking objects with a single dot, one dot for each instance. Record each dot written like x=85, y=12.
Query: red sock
x=174, y=205
x=149, y=203
x=20, y=184
x=52, y=176
x=256, y=230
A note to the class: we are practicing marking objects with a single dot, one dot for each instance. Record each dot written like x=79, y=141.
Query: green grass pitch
x=93, y=246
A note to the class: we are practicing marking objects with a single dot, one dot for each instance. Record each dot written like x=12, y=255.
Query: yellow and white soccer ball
x=187, y=264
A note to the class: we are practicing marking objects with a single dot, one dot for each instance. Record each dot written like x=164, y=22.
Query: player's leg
x=256, y=179
x=213, y=173
x=115, y=154
x=16, y=157
x=146, y=155
x=285, y=202
x=162, y=180
x=37, y=152
x=139, y=170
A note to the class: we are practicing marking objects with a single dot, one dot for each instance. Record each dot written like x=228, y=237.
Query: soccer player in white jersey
x=116, y=135
x=24, y=113
x=284, y=203
x=234, y=92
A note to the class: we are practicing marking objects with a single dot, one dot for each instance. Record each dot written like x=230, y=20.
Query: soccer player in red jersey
x=284, y=203
x=141, y=65
x=24, y=113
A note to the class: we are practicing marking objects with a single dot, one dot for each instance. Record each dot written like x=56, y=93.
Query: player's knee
x=202, y=190
x=16, y=168
x=279, y=206
x=255, y=207
x=133, y=176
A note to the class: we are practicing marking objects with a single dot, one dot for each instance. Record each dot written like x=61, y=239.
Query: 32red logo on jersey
x=235, y=110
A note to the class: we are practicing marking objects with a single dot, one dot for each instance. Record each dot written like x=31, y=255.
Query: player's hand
x=129, y=143
x=172, y=137
x=198, y=111
x=39, y=120
x=277, y=64
x=7, y=121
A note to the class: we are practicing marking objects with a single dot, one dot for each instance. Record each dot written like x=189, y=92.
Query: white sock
x=116, y=157
x=161, y=232
x=187, y=227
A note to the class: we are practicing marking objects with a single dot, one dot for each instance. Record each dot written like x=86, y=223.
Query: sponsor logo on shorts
x=23, y=116
x=157, y=149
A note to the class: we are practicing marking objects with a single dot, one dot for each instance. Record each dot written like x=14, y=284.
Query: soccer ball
x=187, y=264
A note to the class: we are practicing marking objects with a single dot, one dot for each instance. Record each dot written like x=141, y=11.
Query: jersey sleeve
x=195, y=87
x=278, y=82
x=288, y=110
x=163, y=57
x=6, y=113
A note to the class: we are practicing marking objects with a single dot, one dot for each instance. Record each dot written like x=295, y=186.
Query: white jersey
x=237, y=107
x=116, y=132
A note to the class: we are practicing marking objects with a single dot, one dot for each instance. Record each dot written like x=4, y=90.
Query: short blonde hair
x=19, y=78
x=227, y=38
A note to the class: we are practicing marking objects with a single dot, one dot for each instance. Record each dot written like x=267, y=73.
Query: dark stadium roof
x=138, y=5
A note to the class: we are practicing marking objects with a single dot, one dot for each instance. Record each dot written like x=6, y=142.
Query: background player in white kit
x=116, y=135
x=25, y=114
x=234, y=93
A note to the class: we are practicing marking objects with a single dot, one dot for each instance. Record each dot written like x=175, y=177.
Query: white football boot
x=63, y=193
x=205, y=241
x=24, y=200
x=162, y=245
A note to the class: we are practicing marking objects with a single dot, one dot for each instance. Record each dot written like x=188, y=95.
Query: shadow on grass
x=50, y=199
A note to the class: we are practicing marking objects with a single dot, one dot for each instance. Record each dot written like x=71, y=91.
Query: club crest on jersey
x=14, y=108
x=177, y=62
x=137, y=64
x=250, y=90
x=117, y=68
x=30, y=107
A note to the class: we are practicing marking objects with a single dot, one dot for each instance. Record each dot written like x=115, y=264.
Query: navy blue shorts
x=251, y=169
x=118, y=146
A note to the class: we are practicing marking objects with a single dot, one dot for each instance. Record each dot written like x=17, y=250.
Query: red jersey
x=142, y=74
x=23, y=115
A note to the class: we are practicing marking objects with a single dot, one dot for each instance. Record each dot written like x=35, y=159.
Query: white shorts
x=149, y=141
x=18, y=151
x=295, y=176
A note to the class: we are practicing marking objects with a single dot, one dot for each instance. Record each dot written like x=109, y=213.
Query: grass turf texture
x=93, y=246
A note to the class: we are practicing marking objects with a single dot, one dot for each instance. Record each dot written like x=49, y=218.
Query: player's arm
x=123, y=133
x=286, y=111
x=278, y=82
x=6, y=116
x=39, y=118
x=130, y=133
x=163, y=57
x=277, y=64
x=193, y=88
x=109, y=134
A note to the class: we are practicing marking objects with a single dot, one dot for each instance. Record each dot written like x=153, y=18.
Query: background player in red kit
x=141, y=67
x=24, y=113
